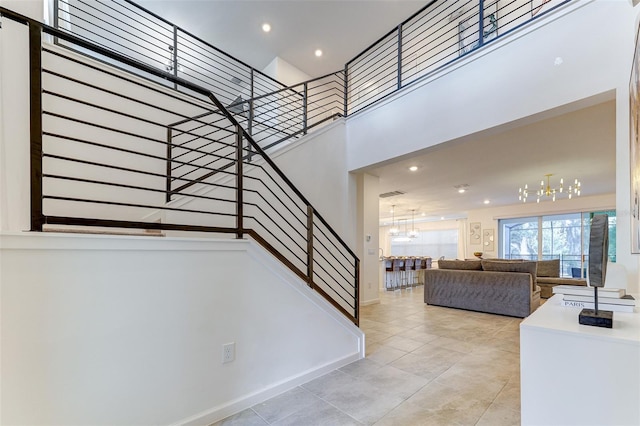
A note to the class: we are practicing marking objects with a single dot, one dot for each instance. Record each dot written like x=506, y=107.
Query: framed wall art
x=475, y=234
x=488, y=240
x=468, y=29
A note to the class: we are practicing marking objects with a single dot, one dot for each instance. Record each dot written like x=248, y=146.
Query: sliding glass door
x=519, y=238
x=564, y=237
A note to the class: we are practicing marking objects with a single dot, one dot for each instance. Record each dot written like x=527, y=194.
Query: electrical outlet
x=228, y=352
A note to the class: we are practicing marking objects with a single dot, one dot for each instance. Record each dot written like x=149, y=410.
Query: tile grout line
x=337, y=408
x=258, y=414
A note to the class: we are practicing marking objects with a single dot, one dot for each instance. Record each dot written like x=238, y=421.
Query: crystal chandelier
x=546, y=190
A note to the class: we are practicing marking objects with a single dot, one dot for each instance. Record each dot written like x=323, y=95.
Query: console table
x=574, y=374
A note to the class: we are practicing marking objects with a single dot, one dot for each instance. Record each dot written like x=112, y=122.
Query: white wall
x=317, y=166
x=284, y=72
x=511, y=80
x=117, y=330
x=30, y=8
x=14, y=127
x=518, y=81
x=367, y=246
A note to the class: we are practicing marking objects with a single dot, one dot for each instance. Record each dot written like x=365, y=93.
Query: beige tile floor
x=424, y=365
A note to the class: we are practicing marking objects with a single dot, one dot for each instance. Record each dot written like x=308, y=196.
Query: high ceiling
x=340, y=28
x=576, y=144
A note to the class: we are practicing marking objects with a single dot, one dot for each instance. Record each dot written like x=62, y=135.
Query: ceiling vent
x=391, y=194
x=236, y=80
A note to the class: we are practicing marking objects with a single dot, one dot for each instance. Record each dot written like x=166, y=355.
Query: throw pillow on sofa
x=549, y=268
x=497, y=266
x=468, y=265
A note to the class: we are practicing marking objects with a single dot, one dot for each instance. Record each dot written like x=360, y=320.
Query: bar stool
x=410, y=268
x=388, y=273
x=405, y=271
x=398, y=268
x=419, y=270
x=428, y=261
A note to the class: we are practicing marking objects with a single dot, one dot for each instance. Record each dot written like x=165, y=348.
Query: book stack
x=609, y=299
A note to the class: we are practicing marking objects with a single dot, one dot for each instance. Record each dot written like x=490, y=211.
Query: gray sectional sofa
x=548, y=276
x=497, y=287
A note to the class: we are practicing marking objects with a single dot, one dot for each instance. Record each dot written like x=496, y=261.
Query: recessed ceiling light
x=318, y=52
x=413, y=168
x=462, y=187
x=266, y=27
x=442, y=218
x=424, y=214
x=487, y=201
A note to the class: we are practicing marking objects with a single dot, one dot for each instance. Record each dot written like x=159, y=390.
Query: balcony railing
x=112, y=150
x=439, y=34
x=183, y=157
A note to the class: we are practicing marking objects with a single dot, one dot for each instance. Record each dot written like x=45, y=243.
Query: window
x=564, y=237
x=432, y=243
x=519, y=238
x=612, y=232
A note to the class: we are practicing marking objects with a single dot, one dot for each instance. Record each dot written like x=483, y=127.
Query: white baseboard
x=233, y=407
x=370, y=302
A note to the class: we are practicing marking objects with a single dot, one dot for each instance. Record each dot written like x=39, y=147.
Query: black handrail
x=443, y=52
x=276, y=228
x=392, y=31
x=201, y=40
x=387, y=78
x=291, y=87
x=389, y=67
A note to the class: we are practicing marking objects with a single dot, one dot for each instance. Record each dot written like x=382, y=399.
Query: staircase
x=113, y=151
x=163, y=132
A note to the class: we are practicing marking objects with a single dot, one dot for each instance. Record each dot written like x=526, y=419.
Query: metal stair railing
x=322, y=102
x=292, y=111
x=99, y=160
x=436, y=36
